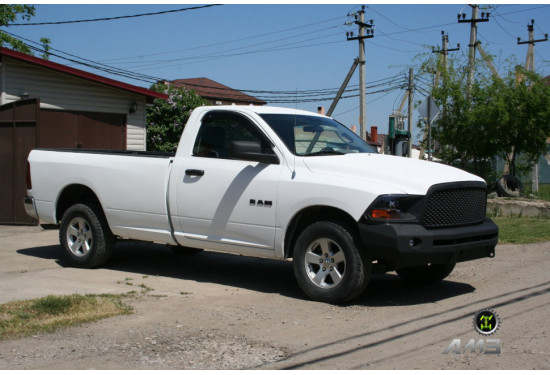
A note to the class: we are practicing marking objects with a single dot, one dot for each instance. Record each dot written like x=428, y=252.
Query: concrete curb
x=518, y=207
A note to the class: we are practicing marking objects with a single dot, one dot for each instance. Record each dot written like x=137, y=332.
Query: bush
x=167, y=118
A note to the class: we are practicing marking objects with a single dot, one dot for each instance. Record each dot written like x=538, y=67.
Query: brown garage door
x=23, y=126
x=17, y=138
x=60, y=129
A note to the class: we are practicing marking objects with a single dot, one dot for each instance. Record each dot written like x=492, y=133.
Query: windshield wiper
x=325, y=152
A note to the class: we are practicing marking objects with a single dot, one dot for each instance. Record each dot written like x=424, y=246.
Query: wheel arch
x=310, y=215
x=74, y=194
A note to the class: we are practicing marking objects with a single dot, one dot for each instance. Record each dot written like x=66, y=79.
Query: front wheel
x=328, y=263
x=427, y=274
x=85, y=237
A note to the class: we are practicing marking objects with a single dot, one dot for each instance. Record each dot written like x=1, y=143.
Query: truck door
x=222, y=202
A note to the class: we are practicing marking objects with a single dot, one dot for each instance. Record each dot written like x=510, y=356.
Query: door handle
x=194, y=172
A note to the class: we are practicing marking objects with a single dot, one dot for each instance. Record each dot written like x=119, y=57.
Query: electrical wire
x=497, y=14
x=540, y=30
x=291, y=98
x=390, y=48
x=399, y=40
x=330, y=98
x=524, y=10
x=135, y=74
x=113, y=18
x=504, y=29
x=86, y=62
x=368, y=102
x=388, y=19
x=307, y=95
x=490, y=41
x=246, y=53
x=227, y=41
x=220, y=53
x=422, y=28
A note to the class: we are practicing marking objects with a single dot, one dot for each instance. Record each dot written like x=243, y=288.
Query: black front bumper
x=399, y=245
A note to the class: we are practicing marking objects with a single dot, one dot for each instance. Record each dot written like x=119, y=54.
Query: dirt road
x=219, y=311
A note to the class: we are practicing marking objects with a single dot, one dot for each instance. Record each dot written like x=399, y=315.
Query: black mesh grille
x=455, y=207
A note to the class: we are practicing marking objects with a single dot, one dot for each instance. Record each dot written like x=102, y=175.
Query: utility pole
x=444, y=51
x=530, y=59
x=487, y=60
x=365, y=31
x=530, y=66
x=409, y=113
x=473, y=38
x=343, y=87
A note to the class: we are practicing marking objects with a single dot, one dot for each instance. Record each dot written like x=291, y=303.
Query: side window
x=218, y=130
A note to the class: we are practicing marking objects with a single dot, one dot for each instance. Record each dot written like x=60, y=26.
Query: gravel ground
x=220, y=311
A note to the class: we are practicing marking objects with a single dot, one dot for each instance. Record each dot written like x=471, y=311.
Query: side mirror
x=251, y=151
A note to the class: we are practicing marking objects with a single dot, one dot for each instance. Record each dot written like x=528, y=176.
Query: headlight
x=396, y=208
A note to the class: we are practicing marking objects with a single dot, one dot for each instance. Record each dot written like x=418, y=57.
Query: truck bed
x=131, y=187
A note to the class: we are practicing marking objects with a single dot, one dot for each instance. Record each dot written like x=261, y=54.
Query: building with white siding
x=64, y=89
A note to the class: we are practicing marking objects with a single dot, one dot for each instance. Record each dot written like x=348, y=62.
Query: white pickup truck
x=268, y=182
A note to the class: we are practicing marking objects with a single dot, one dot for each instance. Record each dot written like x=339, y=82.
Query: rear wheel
x=85, y=237
x=328, y=263
x=427, y=274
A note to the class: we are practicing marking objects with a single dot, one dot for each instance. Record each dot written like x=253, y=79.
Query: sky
x=284, y=52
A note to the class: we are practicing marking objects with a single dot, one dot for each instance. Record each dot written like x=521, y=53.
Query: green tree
x=463, y=129
x=46, y=45
x=522, y=119
x=498, y=117
x=167, y=118
x=8, y=14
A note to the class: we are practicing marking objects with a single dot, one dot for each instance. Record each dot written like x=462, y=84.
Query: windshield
x=315, y=135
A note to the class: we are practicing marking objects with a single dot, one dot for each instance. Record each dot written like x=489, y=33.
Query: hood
x=411, y=176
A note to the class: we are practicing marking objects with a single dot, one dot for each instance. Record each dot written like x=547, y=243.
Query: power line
x=388, y=19
x=86, y=62
x=217, y=54
x=504, y=29
x=399, y=40
x=523, y=10
x=227, y=41
x=113, y=18
x=368, y=102
x=248, y=52
x=315, y=96
x=490, y=41
x=391, y=48
x=497, y=14
x=421, y=28
x=308, y=95
x=290, y=100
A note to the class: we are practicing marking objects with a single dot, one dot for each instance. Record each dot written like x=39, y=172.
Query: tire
x=184, y=250
x=428, y=274
x=509, y=186
x=329, y=264
x=85, y=237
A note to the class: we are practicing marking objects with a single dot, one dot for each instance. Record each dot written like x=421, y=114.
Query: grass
x=47, y=314
x=522, y=230
x=543, y=193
